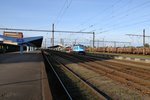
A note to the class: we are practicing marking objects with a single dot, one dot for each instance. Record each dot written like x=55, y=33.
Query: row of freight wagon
x=131, y=50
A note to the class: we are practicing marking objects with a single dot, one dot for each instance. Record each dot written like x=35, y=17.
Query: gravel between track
x=112, y=87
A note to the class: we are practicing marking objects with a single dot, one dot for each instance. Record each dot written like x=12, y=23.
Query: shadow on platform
x=16, y=57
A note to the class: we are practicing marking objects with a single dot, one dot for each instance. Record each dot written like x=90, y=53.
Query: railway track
x=130, y=76
x=125, y=68
x=129, y=67
x=72, y=86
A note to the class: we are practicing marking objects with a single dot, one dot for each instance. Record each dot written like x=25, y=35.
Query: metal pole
x=75, y=41
x=93, y=39
x=98, y=43
x=103, y=43
x=21, y=49
x=143, y=37
x=45, y=43
x=115, y=44
x=53, y=35
x=143, y=41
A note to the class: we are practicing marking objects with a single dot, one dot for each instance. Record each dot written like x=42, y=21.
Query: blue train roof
x=78, y=45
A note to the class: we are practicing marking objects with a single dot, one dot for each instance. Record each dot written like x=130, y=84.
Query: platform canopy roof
x=30, y=41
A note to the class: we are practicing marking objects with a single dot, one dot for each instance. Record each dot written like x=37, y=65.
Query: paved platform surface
x=20, y=76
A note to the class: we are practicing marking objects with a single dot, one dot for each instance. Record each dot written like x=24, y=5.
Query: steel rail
x=58, y=78
x=92, y=87
x=99, y=93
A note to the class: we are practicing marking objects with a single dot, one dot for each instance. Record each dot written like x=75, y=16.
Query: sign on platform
x=20, y=40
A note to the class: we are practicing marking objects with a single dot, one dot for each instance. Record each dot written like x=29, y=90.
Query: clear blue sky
x=109, y=19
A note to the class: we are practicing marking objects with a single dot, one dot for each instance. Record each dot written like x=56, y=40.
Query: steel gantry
x=53, y=31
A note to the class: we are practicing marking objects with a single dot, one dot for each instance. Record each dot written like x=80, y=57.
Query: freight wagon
x=125, y=50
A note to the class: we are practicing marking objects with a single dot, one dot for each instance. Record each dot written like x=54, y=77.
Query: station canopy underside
x=29, y=41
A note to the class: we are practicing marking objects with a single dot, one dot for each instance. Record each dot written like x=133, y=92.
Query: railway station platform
x=23, y=77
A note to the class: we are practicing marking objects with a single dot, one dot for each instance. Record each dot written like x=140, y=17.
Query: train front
x=79, y=49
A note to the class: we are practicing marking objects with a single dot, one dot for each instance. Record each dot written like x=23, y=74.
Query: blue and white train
x=78, y=48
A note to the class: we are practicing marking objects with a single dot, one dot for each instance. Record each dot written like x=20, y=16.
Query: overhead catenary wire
x=50, y=31
x=93, y=17
x=127, y=25
x=13, y=29
x=121, y=23
x=119, y=15
x=63, y=10
x=109, y=18
x=60, y=12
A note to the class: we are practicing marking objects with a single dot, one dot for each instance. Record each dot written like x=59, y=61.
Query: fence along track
x=93, y=91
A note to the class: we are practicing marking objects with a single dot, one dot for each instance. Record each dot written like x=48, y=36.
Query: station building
x=14, y=41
